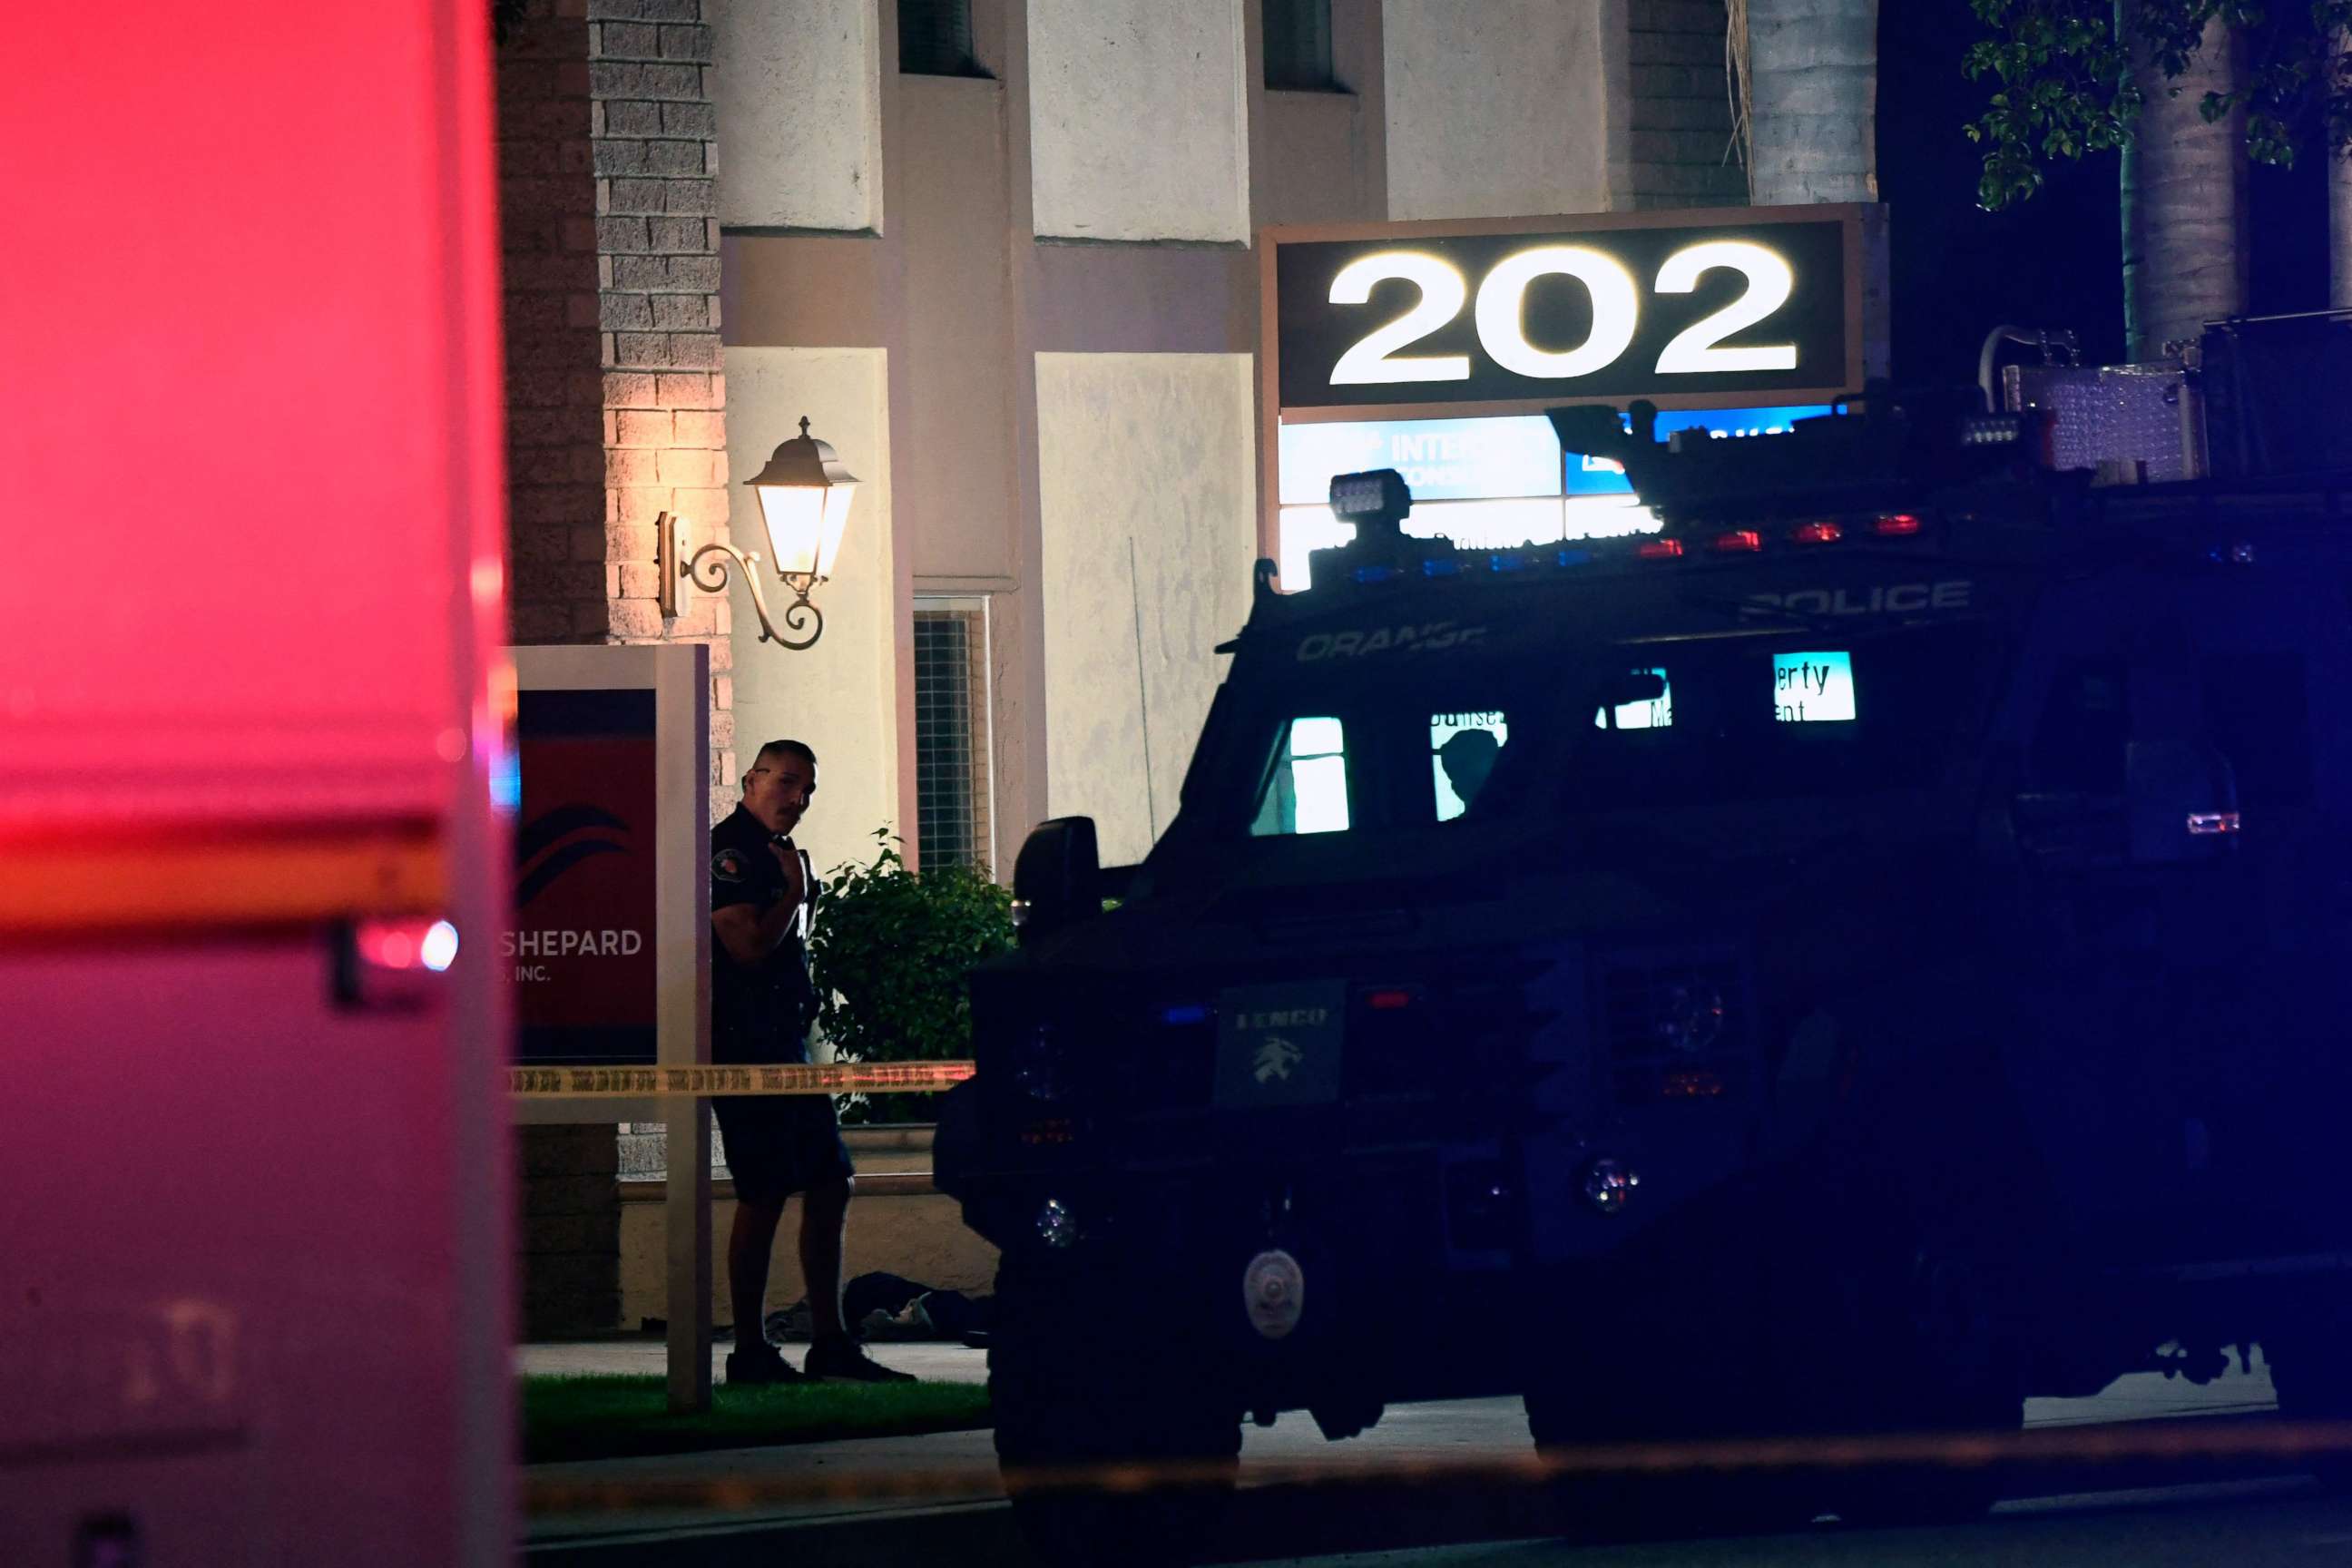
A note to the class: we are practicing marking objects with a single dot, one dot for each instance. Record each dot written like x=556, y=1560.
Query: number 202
x=1616, y=310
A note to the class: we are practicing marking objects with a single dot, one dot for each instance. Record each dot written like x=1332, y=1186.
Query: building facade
x=999, y=254
x=999, y=251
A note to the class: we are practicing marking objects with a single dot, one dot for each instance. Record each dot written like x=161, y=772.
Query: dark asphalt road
x=2152, y=1473
x=2274, y=1523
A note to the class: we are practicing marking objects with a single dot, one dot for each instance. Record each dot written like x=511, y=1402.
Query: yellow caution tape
x=829, y=1077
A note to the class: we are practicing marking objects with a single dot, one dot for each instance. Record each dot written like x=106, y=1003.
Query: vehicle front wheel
x=1921, y=1358
x=1113, y=1445
x=1645, y=1400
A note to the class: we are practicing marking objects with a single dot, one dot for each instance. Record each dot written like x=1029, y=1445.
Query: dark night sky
x=2057, y=260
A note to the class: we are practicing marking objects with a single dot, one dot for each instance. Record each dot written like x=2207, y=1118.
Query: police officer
x=762, y=896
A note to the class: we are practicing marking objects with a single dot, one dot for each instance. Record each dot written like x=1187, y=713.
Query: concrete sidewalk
x=887, y=1499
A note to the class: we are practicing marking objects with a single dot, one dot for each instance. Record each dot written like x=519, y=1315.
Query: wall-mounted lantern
x=804, y=494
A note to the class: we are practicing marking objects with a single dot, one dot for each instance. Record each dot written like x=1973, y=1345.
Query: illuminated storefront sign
x=1441, y=460
x=1434, y=349
x=1589, y=475
x=1480, y=482
x=1690, y=308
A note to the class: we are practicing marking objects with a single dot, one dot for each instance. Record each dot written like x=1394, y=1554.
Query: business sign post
x=610, y=944
x=1729, y=307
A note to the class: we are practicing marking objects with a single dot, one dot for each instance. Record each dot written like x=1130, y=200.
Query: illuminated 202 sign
x=1665, y=306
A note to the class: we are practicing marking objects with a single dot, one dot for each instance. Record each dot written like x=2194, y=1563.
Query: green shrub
x=889, y=955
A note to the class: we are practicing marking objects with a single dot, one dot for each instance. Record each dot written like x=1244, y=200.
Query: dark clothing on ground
x=775, y=1144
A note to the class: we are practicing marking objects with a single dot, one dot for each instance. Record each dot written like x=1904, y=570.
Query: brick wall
x=615, y=414
x=1682, y=108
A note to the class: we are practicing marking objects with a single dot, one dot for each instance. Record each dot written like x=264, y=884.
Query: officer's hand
x=789, y=857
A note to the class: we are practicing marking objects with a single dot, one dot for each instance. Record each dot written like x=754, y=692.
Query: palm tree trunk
x=2340, y=229
x=2339, y=212
x=2184, y=200
x=1812, y=80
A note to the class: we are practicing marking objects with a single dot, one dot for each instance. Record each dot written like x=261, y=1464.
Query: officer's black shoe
x=844, y=1360
x=760, y=1364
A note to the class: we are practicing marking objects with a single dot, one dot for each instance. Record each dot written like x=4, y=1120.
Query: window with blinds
x=952, y=814
x=935, y=38
x=1298, y=35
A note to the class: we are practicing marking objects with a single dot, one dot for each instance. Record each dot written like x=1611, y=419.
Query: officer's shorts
x=777, y=1145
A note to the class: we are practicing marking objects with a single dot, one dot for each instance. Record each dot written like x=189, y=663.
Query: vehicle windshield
x=1794, y=712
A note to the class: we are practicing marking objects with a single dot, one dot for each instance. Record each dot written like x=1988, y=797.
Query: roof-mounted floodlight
x=1378, y=496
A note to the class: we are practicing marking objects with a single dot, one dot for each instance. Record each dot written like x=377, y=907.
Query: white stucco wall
x=840, y=697
x=1138, y=120
x=1148, y=499
x=1497, y=108
x=799, y=92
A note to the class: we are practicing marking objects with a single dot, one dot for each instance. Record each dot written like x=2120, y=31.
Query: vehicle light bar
x=1817, y=533
x=1896, y=525
x=1387, y=1001
x=1659, y=548
x=1738, y=542
x=2202, y=823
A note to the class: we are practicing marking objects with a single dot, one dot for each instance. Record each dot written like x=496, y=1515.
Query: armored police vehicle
x=1858, y=956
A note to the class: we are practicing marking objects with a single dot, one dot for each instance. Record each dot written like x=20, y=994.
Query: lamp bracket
x=706, y=570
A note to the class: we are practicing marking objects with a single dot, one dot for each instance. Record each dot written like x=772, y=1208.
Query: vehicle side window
x=2256, y=713
x=1814, y=687
x=1656, y=713
x=2080, y=740
x=1305, y=788
x=1462, y=747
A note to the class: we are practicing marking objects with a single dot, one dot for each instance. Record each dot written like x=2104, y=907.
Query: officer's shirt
x=759, y=1012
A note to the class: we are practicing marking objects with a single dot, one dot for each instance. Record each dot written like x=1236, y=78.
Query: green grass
x=613, y=1416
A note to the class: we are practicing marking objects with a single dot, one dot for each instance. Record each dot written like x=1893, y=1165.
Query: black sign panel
x=1417, y=318
x=582, y=947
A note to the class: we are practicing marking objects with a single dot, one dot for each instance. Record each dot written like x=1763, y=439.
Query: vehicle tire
x=1642, y=1398
x=2311, y=1370
x=1899, y=1295
x=1112, y=1448
x=1611, y=1423
x=1924, y=1359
